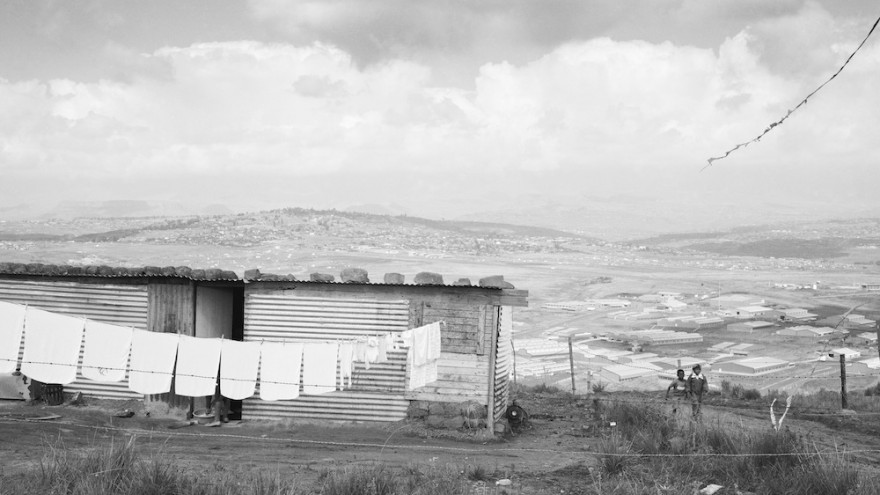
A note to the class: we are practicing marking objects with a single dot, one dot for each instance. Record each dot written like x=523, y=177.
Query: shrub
x=369, y=480
x=751, y=394
x=598, y=387
x=477, y=473
x=614, y=454
x=778, y=450
x=820, y=477
x=118, y=469
x=872, y=391
x=635, y=418
x=543, y=388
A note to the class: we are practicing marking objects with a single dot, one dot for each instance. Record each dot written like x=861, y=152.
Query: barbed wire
x=805, y=411
x=363, y=387
x=259, y=379
x=441, y=448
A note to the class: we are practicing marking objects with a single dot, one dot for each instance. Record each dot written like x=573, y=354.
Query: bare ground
x=555, y=452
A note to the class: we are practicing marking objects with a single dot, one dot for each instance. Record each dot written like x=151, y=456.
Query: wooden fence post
x=843, y=402
x=571, y=364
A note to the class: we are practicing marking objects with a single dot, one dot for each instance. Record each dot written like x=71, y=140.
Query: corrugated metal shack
x=475, y=344
x=476, y=333
x=170, y=299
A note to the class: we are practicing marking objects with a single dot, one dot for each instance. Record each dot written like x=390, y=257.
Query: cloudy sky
x=442, y=107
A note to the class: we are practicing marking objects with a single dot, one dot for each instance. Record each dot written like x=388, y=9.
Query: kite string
x=802, y=103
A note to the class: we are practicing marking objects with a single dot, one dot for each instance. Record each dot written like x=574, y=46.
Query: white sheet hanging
x=105, y=351
x=434, y=341
x=198, y=361
x=152, y=361
x=319, y=368
x=383, y=349
x=431, y=372
x=420, y=346
x=51, y=346
x=239, y=362
x=346, y=358
x=11, y=330
x=280, y=365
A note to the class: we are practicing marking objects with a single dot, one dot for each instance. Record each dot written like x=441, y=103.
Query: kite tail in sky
x=802, y=103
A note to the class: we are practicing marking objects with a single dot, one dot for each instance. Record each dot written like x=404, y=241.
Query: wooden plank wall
x=464, y=328
x=466, y=336
x=172, y=310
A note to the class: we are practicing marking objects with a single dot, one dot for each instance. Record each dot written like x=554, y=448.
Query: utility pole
x=843, y=403
x=571, y=363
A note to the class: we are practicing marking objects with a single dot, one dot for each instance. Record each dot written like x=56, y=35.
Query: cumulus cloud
x=637, y=112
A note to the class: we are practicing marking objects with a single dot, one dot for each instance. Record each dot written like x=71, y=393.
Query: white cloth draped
x=198, y=361
x=152, y=361
x=11, y=330
x=239, y=362
x=319, y=368
x=51, y=346
x=105, y=351
x=346, y=358
x=280, y=365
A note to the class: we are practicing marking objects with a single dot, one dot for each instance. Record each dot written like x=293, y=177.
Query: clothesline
x=186, y=374
x=52, y=343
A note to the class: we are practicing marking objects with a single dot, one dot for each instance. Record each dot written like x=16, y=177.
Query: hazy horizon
x=460, y=110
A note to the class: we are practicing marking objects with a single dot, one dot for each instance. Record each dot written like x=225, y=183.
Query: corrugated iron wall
x=503, y=361
x=124, y=305
x=376, y=394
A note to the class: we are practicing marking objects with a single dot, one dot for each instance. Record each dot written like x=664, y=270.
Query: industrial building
x=796, y=314
x=750, y=326
x=751, y=312
x=849, y=354
x=617, y=373
x=661, y=337
x=806, y=332
x=752, y=366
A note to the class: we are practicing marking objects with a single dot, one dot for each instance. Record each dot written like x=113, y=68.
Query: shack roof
x=493, y=284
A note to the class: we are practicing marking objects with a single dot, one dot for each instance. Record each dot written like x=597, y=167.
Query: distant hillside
x=623, y=217
x=820, y=239
x=296, y=227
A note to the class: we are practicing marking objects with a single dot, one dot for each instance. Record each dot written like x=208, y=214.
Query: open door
x=220, y=313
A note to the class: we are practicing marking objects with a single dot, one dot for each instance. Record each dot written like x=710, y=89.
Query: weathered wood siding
x=465, y=337
x=172, y=308
x=124, y=305
x=460, y=378
x=464, y=326
x=376, y=394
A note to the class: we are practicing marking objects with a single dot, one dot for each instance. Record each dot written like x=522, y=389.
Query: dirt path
x=557, y=446
x=304, y=448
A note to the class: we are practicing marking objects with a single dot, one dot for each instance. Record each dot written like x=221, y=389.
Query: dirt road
x=555, y=450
